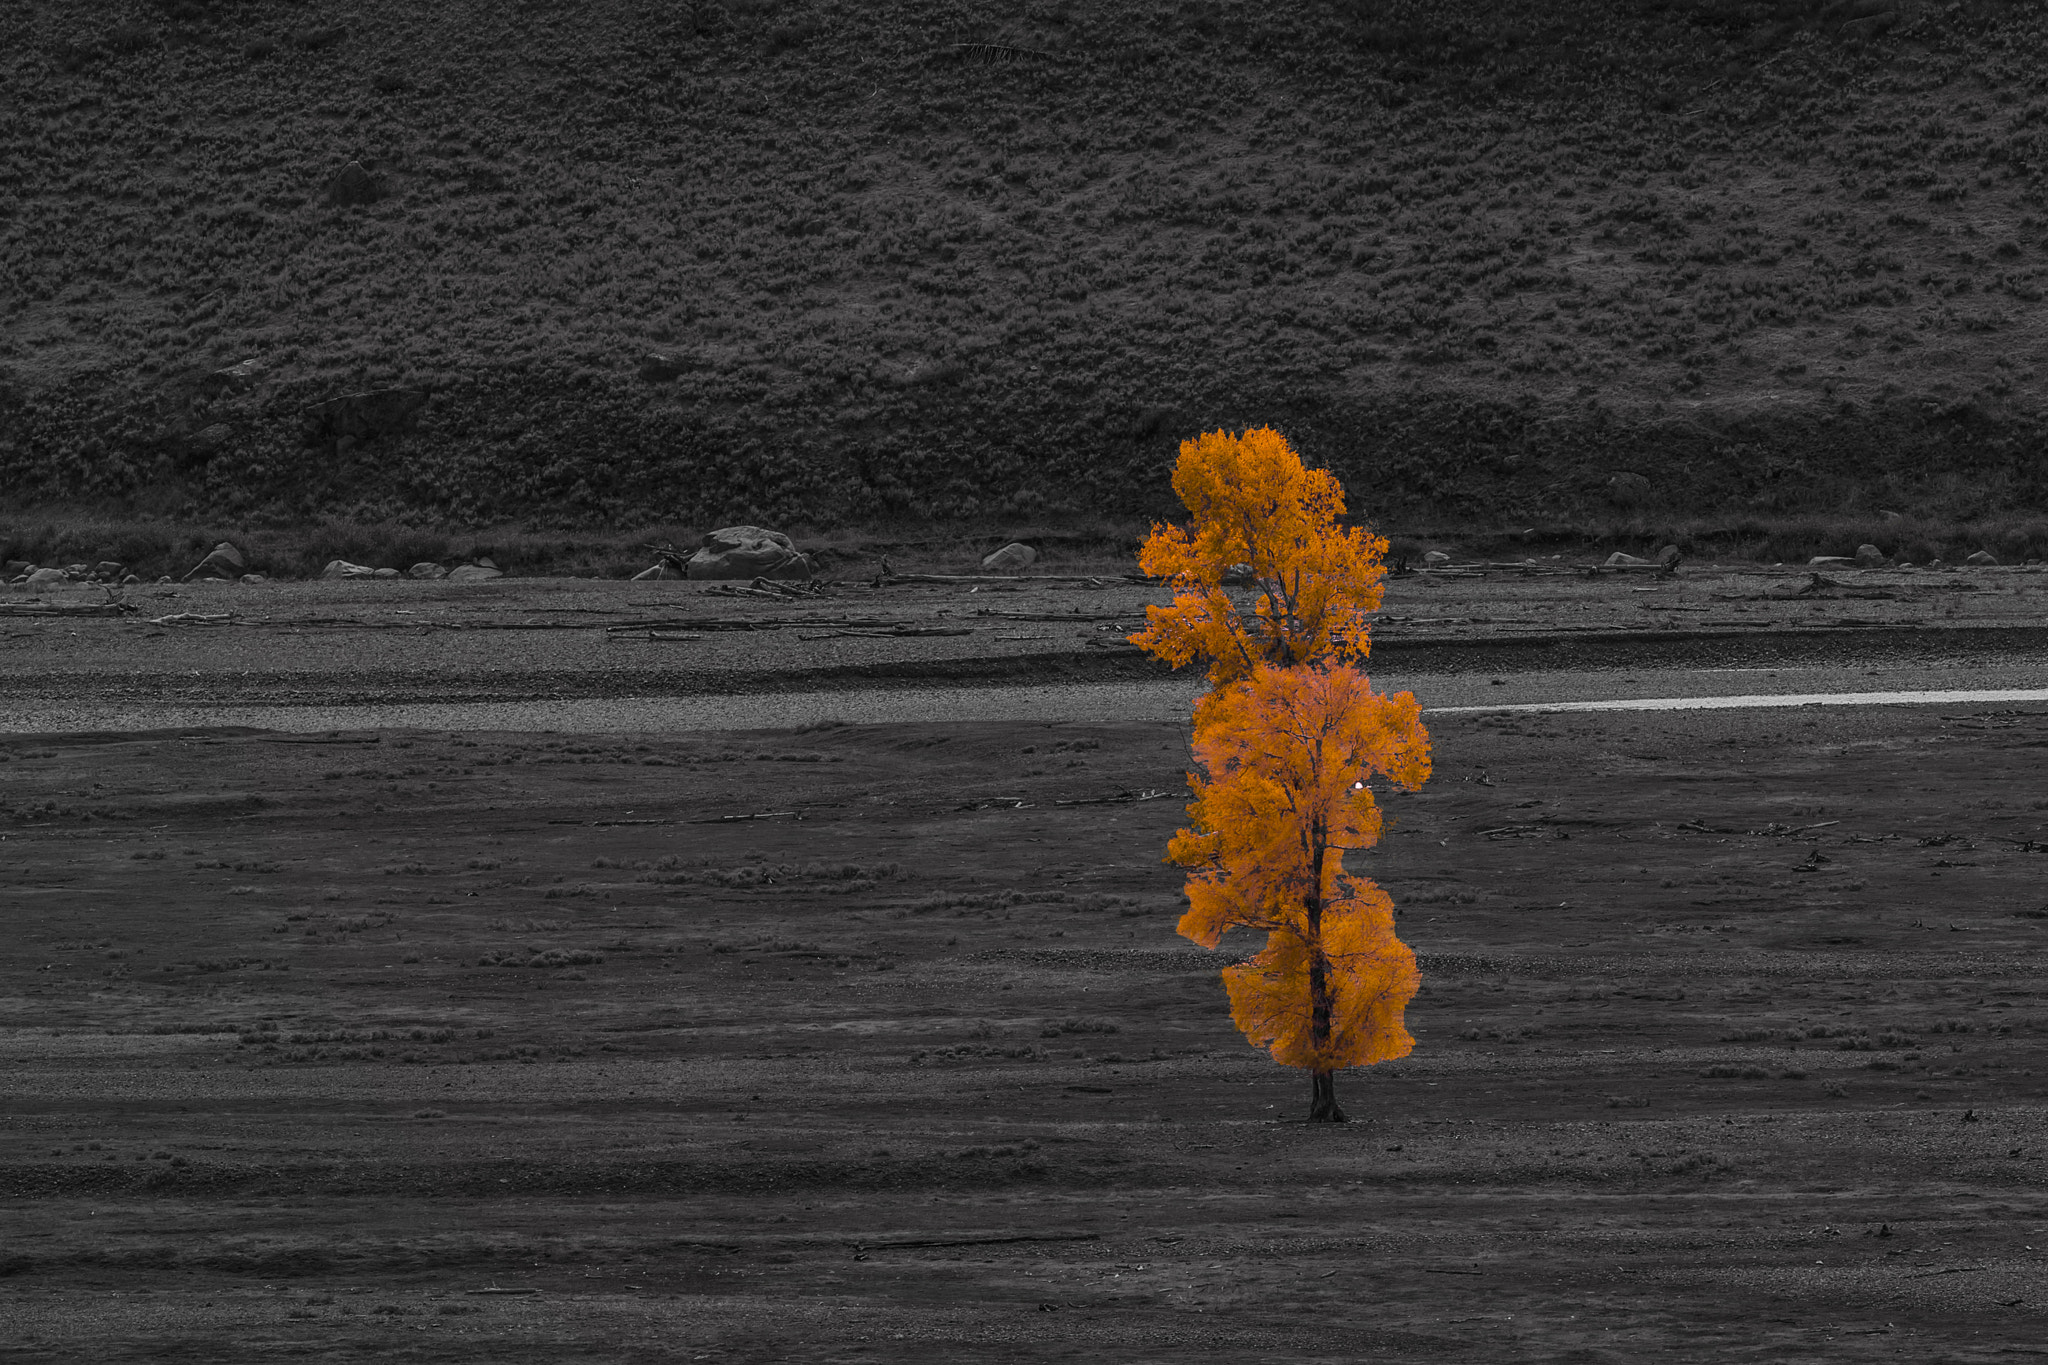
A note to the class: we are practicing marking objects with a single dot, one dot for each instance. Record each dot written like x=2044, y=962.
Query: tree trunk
x=1322, y=1102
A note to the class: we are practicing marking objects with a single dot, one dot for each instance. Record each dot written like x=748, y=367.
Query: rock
x=163, y=580
x=484, y=562
x=1890, y=516
x=1435, y=557
x=1627, y=489
x=1869, y=557
x=130, y=579
x=45, y=577
x=208, y=438
x=1239, y=576
x=426, y=568
x=78, y=572
x=1618, y=560
x=352, y=184
x=239, y=377
x=1936, y=564
x=107, y=571
x=341, y=568
x=384, y=573
x=474, y=573
x=1982, y=557
x=1012, y=558
x=363, y=415
x=253, y=578
x=748, y=552
x=222, y=561
x=659, y=367
x=1668, y=555
x=15, y=568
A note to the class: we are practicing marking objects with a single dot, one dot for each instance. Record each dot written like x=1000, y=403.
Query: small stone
x=1982, y=557
x=426, y=568
x=1869, y=557
x=253, y=578
x=1012, y=558
x=222, y=561
x=352, y=184
x=341, y=568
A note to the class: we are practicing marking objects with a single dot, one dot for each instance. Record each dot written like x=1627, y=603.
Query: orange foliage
x=1253, y=503
x=1287, y=754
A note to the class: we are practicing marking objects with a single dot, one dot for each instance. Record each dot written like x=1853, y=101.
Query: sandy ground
x=454, y=1045
x=1730, y=1047
x=531, y=639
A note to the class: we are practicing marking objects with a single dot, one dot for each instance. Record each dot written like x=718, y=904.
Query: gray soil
x=497, y=1045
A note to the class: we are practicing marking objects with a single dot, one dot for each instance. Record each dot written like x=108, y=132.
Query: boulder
x=1012, y=558
x=1982, y=557
x=426, y=568
x=384, y=573
x=1435, y=558
x=1869, y=557
x=341, y=568
x=222, y=561
x=1668, y=555
x=474, y=573
x=107, y=571
x=1627, y=489
x=363, y=415
x=40, y=578
x=748, y=552
x=353, y=184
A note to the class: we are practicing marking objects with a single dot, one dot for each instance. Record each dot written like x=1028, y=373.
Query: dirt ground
x=385, y=641
x=498, y=1047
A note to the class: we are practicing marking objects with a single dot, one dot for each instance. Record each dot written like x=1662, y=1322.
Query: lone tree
x=1288, y=736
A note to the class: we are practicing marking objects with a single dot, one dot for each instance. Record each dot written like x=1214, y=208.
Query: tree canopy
x=1257, y=512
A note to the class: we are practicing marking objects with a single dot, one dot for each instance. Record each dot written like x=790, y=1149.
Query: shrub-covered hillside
x=979, y=258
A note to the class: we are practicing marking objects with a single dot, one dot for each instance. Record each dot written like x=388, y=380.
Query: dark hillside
x=977, y=260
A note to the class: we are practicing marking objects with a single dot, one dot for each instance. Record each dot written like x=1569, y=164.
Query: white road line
x=1762, y=699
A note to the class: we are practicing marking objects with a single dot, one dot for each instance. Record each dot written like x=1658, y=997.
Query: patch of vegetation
x=819, y=266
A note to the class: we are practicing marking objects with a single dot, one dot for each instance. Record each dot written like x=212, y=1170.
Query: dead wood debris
x=110, y=607
x=1121, y=799
x=900, y=632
